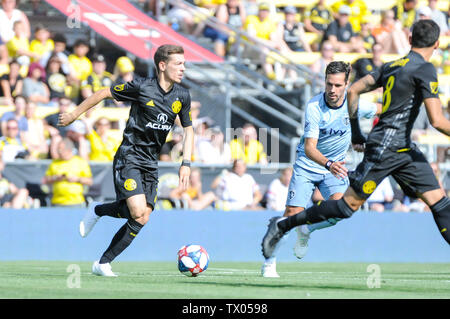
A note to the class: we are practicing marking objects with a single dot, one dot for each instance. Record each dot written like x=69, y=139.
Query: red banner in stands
x=129, y=28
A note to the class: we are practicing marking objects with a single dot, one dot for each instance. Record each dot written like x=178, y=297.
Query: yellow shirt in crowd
x=81, y=66
x=263, y=29
x=251, y=154
x=65, y=193
x=15, y=44
x=359, y=11
x=40, y=48
x=102, y=151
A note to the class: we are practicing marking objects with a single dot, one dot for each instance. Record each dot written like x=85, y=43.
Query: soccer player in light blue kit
x=321, y=153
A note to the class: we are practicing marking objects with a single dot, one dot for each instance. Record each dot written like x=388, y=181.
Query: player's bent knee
x=344, y=209
x=292, y=210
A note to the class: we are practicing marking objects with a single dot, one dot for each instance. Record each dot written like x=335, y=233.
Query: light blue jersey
x=331, y=127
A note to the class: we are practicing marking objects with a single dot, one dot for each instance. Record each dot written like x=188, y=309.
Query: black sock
x=117, y=209
x=441, y=215
x=322, y=211
x=121, y=240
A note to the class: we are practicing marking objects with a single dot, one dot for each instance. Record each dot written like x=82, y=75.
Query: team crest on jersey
x=369, y=187
x=291, y=194
x=176, y=106
x=346, y=120
x=130, y=184
x=434, y=86
x=119, y=87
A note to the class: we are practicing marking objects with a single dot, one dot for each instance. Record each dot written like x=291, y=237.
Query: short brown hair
x=164, y=51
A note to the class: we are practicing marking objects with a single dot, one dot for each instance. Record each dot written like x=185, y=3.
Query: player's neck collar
x=334, y=107
x=164, y=92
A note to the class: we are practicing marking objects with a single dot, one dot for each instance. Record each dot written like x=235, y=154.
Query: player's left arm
x=365, y=84
x=436, y=116
x=188, y=145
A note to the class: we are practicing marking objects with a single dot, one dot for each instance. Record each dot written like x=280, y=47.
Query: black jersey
x=152, y=115
x=406, y=83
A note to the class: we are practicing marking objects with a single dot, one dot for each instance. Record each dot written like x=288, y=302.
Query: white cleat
x=89, y=220
x=301, y=246
x=102, y=269
x=269, y=270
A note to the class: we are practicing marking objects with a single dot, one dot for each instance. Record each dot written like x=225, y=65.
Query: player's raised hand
x=339, y=170
x=65, y=119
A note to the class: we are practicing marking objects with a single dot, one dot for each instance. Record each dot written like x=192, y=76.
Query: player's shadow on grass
x=274, y=284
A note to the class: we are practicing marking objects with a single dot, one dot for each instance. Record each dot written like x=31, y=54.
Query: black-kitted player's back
x=406, y=83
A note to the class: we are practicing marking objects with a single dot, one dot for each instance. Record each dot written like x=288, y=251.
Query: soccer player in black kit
x=407, y=83
x=156, y=102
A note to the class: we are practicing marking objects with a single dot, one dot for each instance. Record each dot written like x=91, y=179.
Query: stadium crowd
x=41, y=76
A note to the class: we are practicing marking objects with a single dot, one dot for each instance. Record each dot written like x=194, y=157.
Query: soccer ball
x=192, y=260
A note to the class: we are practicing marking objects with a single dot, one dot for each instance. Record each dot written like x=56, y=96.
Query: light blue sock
x=327, y=223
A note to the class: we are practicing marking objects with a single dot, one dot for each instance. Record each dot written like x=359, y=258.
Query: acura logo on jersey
x=161, y=125
x=162, y=118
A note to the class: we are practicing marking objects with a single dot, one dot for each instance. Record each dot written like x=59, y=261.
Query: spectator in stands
x=11, y=196
x=219, y=33
x=439, y=17
x=56, y=132
x=237, y=190
x=35, y=141
x=341, y=35
x=327, y=55
x=123, y=70
x=266, y=30
x=278, y=190
x=214, y=149
x=293, y=31
x=59, y=50
x=382, y=198
x=4, y=58
x=76, y=132
x=317, y=18
x=34, y=87
x=358, y=12
x=363, y=66
x=11, y=84
x=103, y=144
x=366, y=35
x=390, y=34
x=171, y=151
x=193, y=196
x=405, y=13
x=68, y=175
x=19, y=47
x=181, y=18
x=8, y=15
x=247, y=147
x=11, y=146
x=81, y=67
x=424, y=13
x=42, y=43
x=20, y=104
x=55, y=79
x=98, y=79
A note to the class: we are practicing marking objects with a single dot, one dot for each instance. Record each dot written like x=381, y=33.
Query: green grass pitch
x=158, y=280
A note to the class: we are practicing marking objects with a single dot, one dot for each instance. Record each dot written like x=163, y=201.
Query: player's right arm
x=67, y=118
x=338, y=169
x=436, y=116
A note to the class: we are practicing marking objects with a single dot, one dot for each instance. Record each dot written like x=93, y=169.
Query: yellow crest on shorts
x=130, y=184
x=434, y=86
x=119, y=87
x=369, y=187
x=176, y=106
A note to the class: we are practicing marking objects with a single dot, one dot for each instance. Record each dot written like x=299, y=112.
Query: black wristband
x=186, y=163
x=328, y=164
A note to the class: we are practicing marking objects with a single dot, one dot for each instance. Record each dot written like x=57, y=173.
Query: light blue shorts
x=303, y=183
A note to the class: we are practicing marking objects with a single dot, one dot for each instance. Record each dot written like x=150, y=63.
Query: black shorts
x=130, y=180
x=409, y=168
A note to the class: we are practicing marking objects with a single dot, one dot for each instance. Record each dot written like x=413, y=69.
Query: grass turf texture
x=49, y=279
